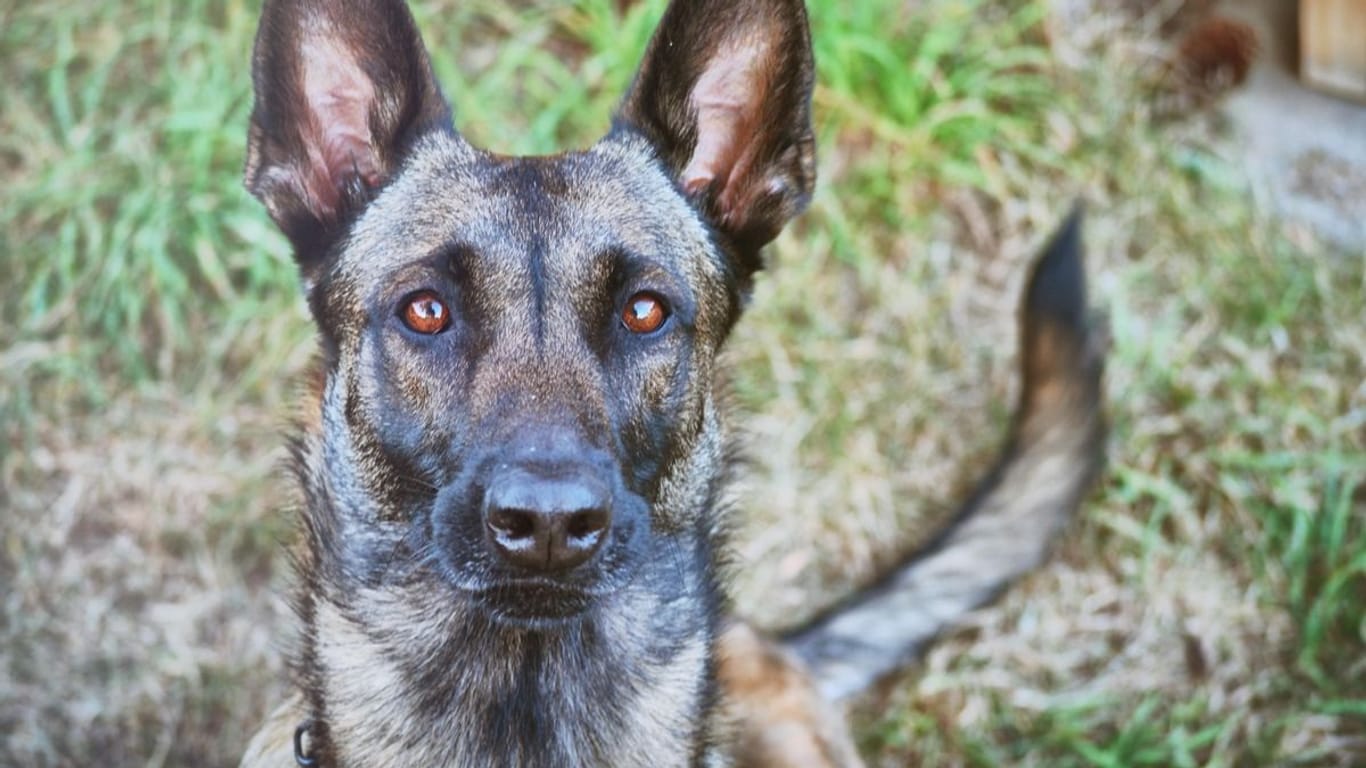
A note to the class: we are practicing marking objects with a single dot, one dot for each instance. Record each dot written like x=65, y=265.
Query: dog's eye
x=424, y=313
x=644, y=312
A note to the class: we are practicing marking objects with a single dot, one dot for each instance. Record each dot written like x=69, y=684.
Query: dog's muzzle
x=541, y=526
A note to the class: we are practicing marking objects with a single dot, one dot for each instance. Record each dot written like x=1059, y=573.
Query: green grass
x=1206, y=611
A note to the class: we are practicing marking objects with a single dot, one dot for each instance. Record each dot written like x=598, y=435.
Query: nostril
x=547, y=522
x=513, y=523
x=586, y=523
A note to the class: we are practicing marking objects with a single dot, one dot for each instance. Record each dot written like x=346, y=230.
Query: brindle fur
x=418, y=645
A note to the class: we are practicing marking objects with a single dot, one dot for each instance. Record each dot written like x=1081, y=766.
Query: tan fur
x=273, y=744
x=779, y=717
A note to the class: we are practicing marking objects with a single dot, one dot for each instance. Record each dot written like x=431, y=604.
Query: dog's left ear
x=724, y=95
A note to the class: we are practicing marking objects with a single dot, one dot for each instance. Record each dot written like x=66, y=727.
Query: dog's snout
x=547, y=521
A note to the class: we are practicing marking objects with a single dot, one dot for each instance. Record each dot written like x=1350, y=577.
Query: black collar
x=301, y=757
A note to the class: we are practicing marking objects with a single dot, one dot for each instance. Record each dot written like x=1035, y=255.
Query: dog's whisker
x=419, y=482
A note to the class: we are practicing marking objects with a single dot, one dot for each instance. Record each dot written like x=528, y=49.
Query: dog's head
x=519, y=351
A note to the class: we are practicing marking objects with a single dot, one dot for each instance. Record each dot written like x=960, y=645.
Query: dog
x=513, y=461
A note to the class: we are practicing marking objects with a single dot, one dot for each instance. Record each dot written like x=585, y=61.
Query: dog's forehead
x=611, y=197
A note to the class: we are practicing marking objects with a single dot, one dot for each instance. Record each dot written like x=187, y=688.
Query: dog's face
x=519, y=351
x=515, y=341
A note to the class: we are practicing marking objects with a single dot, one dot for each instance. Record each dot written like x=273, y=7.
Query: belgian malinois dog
x=513, y=461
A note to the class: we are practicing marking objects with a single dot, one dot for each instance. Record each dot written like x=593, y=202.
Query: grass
x=1206, y=610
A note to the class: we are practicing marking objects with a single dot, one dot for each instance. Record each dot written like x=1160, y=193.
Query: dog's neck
x=416, y=675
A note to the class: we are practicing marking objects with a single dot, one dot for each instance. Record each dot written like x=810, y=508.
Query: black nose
x=547, y=522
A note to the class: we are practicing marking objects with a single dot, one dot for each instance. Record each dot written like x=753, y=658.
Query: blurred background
x=1207, y=609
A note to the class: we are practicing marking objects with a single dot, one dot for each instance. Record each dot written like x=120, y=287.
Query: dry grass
x=139, y=604
x=1205, y=611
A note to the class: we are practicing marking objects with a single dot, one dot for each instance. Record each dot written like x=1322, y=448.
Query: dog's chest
x=491, y=699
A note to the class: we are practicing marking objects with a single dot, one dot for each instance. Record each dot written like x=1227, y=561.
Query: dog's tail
x=1008, y=525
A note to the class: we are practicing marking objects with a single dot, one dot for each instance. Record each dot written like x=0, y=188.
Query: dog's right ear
x=343, y=88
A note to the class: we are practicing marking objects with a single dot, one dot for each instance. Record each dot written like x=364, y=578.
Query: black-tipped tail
x=1057, y=289
x=1008, y=525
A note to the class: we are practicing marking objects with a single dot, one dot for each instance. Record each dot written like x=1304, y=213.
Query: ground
x=1206, y=608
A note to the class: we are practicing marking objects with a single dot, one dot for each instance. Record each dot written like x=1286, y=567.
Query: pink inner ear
x=337, y=136
x=727, y=100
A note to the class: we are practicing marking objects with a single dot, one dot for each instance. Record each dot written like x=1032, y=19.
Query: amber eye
x=423, y=312
x=644, y=312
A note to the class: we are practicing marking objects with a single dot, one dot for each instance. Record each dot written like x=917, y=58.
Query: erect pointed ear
x=724, y=95
x=343, y=88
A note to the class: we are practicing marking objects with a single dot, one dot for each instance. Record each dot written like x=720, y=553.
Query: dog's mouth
x=536, y=602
